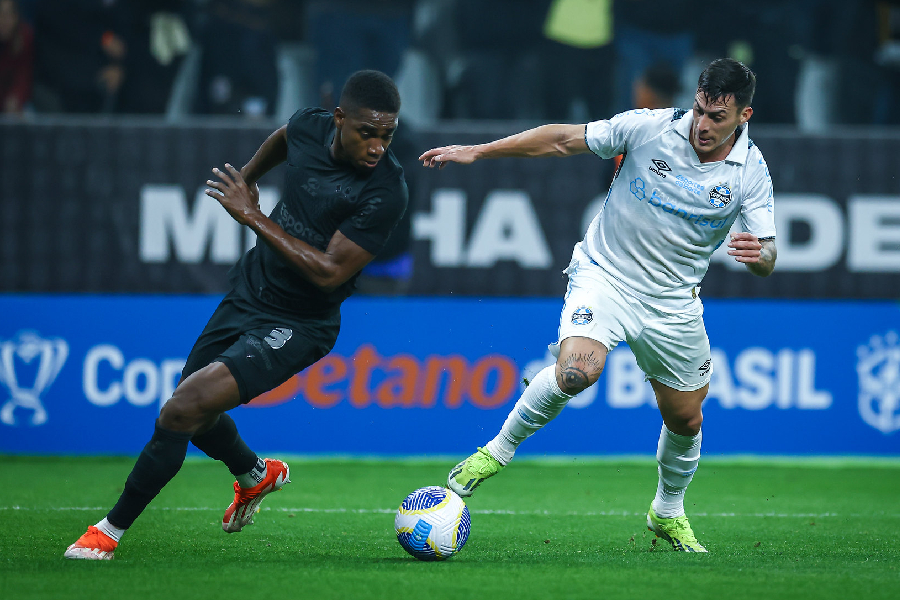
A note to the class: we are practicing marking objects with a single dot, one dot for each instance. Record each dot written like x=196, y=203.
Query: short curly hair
x=372, y=90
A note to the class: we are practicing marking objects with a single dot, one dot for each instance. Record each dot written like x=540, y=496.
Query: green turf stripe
x=891, y=462
x=529, y=513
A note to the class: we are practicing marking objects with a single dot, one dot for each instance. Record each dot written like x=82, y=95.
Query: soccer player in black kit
x=343, y=194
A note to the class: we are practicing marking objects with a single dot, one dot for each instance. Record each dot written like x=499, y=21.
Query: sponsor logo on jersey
x=720, y=195
x=311, y=186
x=659, y=200
x=689, y=185
x=582, y=316
x=33, y=357
x=298, y=229
x=659, y=166
x=705, y=367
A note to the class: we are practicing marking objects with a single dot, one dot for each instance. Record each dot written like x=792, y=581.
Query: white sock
x=677, y=456
x=108, y=528
x=541, y=401
x=254, y=477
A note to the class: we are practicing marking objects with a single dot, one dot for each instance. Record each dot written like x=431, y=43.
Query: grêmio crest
x=720, y=195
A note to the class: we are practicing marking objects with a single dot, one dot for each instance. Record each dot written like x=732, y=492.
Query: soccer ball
x=432, y=523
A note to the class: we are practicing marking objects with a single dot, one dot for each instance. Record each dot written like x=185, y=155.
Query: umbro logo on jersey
x=660, y=167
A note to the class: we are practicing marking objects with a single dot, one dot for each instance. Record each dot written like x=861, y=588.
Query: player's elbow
x=322, y=275
x=329, y=278
x=327, y=281
x=561, y=149
x=329, y=287
x=570, y=140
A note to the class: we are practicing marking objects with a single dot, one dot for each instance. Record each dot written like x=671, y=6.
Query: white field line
x=546, y=513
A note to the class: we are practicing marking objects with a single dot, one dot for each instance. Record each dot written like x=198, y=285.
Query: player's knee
x=573, y=380
x=183, y=412
x=579, y=367
x=692, y=424
x=685, y=423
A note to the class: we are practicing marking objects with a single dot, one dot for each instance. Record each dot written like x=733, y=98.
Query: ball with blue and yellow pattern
x=432, y=523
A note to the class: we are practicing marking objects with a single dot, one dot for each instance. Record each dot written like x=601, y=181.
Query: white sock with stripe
x=541, y=401
x=254, y=477
x=677, y=457
x=106, y=527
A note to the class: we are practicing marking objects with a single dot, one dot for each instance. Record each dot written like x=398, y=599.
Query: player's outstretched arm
x=546, y=140
x=326, y=270
x=759, y=255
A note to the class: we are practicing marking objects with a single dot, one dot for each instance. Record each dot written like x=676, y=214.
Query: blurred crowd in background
x=820, y=62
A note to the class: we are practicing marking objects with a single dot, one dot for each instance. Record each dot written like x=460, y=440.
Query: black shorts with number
x=261, y=349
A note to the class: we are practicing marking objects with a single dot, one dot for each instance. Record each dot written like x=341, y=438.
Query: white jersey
x=666, y=212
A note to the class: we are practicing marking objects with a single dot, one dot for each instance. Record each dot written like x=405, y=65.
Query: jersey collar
x=738, y=152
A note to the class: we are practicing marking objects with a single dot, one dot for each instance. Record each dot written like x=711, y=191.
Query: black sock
x=157, y=464
x=223, y=442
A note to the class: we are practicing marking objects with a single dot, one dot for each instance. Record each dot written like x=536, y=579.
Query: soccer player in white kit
x=684, y=179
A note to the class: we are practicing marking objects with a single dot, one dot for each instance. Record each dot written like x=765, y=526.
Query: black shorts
x=261, y=349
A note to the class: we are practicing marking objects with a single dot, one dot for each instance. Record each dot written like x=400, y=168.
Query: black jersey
x=321, y=196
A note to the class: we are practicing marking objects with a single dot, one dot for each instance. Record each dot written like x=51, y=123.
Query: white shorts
x=671, y=348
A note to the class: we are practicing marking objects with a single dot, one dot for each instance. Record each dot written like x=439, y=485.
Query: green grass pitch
x=564, y=528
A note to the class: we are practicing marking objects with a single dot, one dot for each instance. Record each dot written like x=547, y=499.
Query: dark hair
x=372, y=90
x=727, y=76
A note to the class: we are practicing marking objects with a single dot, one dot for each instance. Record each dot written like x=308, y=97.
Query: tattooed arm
x=759, y=255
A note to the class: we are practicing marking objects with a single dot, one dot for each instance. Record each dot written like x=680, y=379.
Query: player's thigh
x=276, y=349
x=222, y=330
x=593, y=309
x=674, y=351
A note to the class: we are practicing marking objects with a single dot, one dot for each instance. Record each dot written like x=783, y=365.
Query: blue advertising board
x=416, y=376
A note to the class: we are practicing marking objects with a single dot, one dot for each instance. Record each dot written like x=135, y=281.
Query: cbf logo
x=582, y=316
x=29, y=356
x=720, y=195
x=878, y=368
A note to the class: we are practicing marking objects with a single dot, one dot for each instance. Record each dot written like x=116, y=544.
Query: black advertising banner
x=837, y=209
x=91, y=205
x=78, y=196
